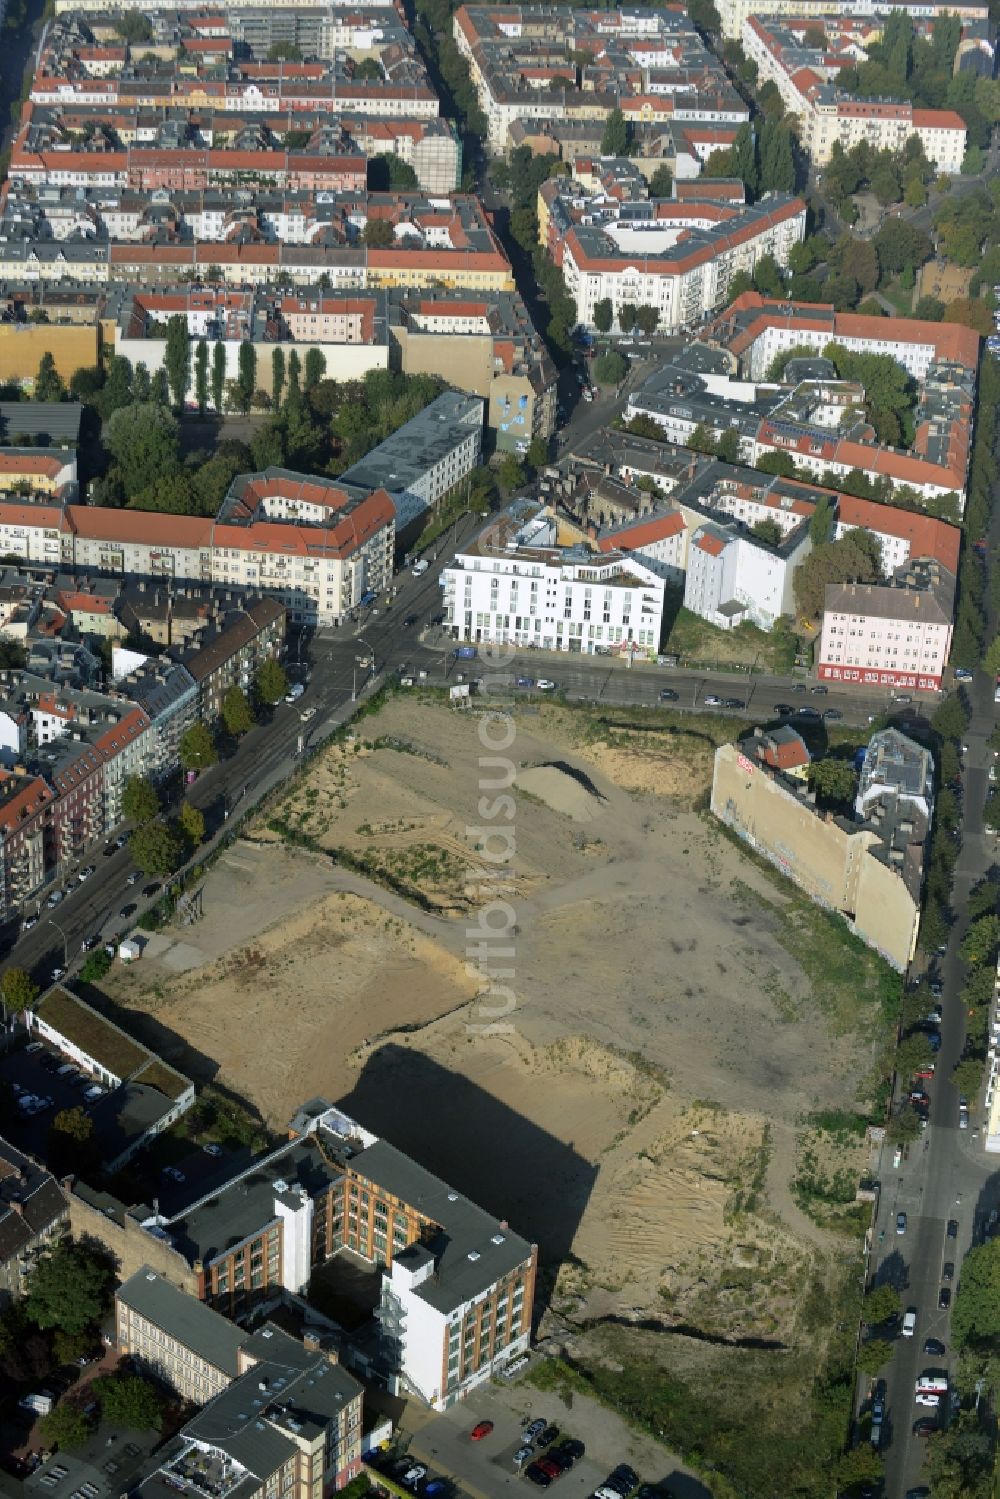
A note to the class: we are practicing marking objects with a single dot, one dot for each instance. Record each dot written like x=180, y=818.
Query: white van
x=931, y=1384
x=419, y=568
x=910, y=1323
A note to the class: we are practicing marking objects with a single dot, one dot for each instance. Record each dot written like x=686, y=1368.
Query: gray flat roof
x=405, y=456
x=190, y=1321
x=59, y=419
x=466, y=1230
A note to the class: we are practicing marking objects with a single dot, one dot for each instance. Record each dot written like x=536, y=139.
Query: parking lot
x=485, y=1469
x=36, y=1072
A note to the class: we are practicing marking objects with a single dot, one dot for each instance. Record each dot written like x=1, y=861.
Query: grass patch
x=694, y=640
x=846, y=978
x=729, y=1417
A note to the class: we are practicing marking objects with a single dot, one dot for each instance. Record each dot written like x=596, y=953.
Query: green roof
x=91, y=1033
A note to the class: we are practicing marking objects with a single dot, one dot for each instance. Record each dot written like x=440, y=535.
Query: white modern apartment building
x=518, y=585
x=733, y=580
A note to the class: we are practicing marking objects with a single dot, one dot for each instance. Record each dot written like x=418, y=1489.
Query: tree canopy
x=140, y=802
x=128, y=1400
x=70, y=1288
x=855, y=558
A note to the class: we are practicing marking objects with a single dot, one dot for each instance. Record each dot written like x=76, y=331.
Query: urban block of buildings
x=805, y=77
x=278, y=1414
x=531, y=580
x=456, y=1284
x=525, y=65
x=720, y=384
x=733, y=13
x=867, y=868
x=34, y=1214
x=895, y=634
x=676, y=255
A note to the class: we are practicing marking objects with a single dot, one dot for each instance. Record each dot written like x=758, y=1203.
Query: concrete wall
x=830, y=863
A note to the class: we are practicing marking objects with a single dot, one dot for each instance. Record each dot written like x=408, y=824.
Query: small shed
x=129, y=950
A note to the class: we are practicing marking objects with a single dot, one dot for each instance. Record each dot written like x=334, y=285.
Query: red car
x=482, y=1430
x=925, y=1071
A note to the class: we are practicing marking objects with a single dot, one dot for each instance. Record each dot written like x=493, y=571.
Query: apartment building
x=33, y=1215
x=733, y=578
x=525, y=64
x=176, y=1338
x=734, y=13
x=867, y=868
x=675, y=255
x=302, y=1439
x=425, y=459
x=895, y=635
x=805, y=76
x=516, y=583
x=226, y=653
x=815, y=418
x=25, y=810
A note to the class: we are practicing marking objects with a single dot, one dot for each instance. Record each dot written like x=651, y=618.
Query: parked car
x=86, y=872
x=108, y=850
x=820, y=690
x=627, y=1475
x=925, y=1427
x=832, y=715
x=133, y=878
x=414, y=1475
x=936, y=1347
x=948, y=1270
x=734, y=702
x=668, y=695
x=28, y=923
x=534, y=1471
x=212, y=1149
x=944, y=1299
x=712, y=700
x=783, y=710
x=901, y=1223
x=928, y=1399
x=545, y=684
x=172, y=1174
x=55, y=897
x=533, y=1429
x=806, y=712
x=953, y=1228
x=307, y=714
x=522, y=1455
x=481, y=1430
x=151, y=888
x=128, y=910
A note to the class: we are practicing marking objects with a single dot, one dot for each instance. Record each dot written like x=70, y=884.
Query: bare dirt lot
x=638, y=1111
x=941, y=279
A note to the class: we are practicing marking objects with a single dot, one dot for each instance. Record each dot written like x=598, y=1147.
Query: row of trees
x=762, y=158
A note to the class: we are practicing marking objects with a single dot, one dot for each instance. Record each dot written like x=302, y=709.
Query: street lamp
x=59, y=929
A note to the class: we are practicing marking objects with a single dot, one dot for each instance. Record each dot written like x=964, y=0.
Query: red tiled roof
x=643, y=533
x=927, y=537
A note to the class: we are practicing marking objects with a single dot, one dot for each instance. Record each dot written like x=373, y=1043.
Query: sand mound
x=560, y=791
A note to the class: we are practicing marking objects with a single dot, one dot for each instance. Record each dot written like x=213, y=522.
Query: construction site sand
x=646, y=1004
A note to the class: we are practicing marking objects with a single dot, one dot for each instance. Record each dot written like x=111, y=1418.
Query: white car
x=929, y=1399
x=415, y=1476
x=307, y=714
x=545, y=684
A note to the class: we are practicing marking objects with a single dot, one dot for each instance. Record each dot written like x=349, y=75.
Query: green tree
x=833, y=781
x=134, y=28
x=743, y=163
x=284, y=52
x=728, y=448
x=968, y=1076
x=159, y=390
x=904, y=1127
x=277, y=376
x=191, y=822
x=128, y=1400
x=929, y=309
x=767, y=277
x=950, y=718
x=912, y=1053
x=776, y=170
x=821, y=521
x=609, y=369
x=270, y=683
x=95, y=966
x=388, y=173
x=604, y=315
x=881, y=1303
x=702, y=440
x=648, y=318
x=873, y=1355
x=140, y=803
x=70, y=1288
x=156, y=848
x=314, y=369
x=627, y=314
x=218, y=376
x=49, y=384
x=294, y=374
x=197, y=747
x=975, y=1315
x=237, y=714
x=538, y=453
x=511, y=474
x=177, y=358
x=65, y=1426
x=661, y=184
x=201, y=376
x=143, y=441
x=614, y=141
x=861, y=1464
x=18, y=989
x=246, y=380
x=71, y=1142
x=979, y=945
x=378, y=234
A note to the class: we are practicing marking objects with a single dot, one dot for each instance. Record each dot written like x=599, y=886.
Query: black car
x=538, y=1475
x=944, y=1299
x=953, y=1228
x=935, y=1347
x=548, y=1436
x=151, y=888
x=807, y=712
x=783, y=710
x=108, y=850
x=948, y=1270
x=567, y=1453
x=618, y=1486
x=832, y=715
x=129, y=910
x=734, y=702
x=668, y=695
x=627, y=1475
x=925, y=1427
x=820, y=690
x=409, y=621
